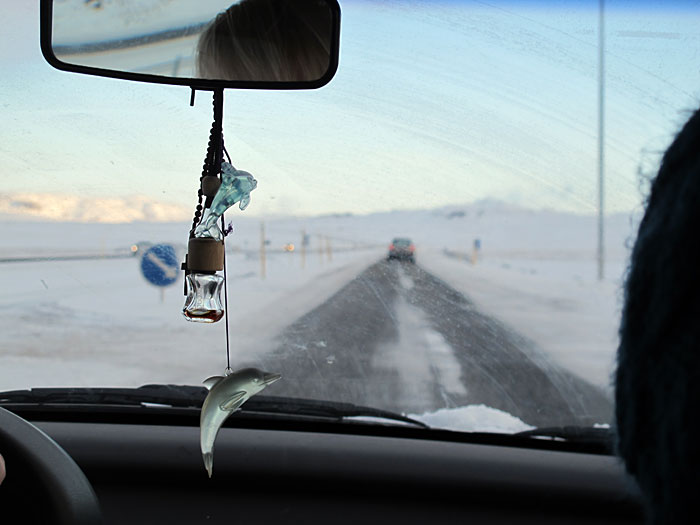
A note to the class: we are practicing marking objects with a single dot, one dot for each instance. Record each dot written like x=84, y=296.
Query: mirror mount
x=194, y=89
x=78, y=37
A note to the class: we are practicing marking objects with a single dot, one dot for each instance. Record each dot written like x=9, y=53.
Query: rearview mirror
x=254, y=44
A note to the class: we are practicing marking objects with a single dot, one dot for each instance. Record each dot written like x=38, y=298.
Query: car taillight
x=391, y=247
x=411, y=248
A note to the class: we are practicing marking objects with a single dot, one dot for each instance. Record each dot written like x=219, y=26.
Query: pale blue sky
x=445, y=105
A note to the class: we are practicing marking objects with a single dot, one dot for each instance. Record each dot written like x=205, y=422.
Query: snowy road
x=399, y=338
x=345, y=328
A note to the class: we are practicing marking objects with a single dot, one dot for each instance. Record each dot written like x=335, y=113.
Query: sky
x=434, y=104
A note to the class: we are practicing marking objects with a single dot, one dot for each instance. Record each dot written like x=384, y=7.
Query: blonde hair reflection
x=267, y=40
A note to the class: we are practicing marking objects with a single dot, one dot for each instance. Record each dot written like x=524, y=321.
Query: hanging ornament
x=236, y=186
x=205, y=257
x=205, y=250
x=226, y=395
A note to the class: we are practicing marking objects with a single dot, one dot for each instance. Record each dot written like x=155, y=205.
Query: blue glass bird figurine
x=236, y=186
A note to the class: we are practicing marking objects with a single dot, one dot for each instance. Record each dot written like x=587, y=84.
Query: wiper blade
x=576, y=434
x=332, y=409
x=170, y=395
x=183, y=396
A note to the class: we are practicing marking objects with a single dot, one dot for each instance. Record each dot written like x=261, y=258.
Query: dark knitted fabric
x=657, y=384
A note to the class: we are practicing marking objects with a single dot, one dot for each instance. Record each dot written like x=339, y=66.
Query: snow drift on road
x=473, y=418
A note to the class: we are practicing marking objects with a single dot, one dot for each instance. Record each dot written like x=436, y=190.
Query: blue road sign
x=159, y=265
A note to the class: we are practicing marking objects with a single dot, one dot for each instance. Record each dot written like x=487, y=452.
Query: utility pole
x=601, y=138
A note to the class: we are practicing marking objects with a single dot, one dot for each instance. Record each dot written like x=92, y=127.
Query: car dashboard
x=281, y=472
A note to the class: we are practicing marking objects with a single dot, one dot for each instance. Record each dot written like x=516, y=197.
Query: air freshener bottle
x=203, y=303
x=205, y=257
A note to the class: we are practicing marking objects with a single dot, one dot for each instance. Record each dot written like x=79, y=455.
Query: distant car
x=402, y=249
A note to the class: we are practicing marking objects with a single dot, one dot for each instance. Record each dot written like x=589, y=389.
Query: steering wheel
x=42, y=479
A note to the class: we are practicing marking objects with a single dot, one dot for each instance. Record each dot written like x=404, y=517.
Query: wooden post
x=329, y=252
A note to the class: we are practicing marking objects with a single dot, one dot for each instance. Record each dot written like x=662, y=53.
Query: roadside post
x=262, y=251
x=304, y=244
x=475, y=250
x=159, y=266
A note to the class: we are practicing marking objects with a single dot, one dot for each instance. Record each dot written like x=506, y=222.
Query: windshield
x=467, y=130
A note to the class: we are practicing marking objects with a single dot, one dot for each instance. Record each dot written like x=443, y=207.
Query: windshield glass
x=466, y=130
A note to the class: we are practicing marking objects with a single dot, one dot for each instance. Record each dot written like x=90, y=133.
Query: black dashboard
x=154, y=474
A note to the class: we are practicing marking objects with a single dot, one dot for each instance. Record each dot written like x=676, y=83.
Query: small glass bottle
x=203, y=302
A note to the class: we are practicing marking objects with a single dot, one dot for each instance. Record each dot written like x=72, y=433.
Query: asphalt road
x=397, y=337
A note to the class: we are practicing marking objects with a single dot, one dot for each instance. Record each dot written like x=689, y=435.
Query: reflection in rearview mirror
x=267, y=40
x=181, y=41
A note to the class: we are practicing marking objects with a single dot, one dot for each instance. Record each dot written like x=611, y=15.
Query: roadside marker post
x=263, y=265
x=475, y=250
x=329, y=250
x=304, y=243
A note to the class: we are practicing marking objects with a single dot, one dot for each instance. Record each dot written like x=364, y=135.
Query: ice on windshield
x=467, y=131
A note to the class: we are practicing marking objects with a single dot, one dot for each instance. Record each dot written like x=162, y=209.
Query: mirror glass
x=213, y=40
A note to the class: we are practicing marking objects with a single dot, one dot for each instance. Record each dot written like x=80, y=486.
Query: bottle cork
x=205, y=254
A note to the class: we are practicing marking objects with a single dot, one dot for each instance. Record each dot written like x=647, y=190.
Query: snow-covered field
x=98, y=322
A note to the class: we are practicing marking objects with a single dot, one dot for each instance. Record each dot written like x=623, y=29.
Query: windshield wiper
x=169, y=395
x=576, y=434
x=333, y=409
x=182, y=396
